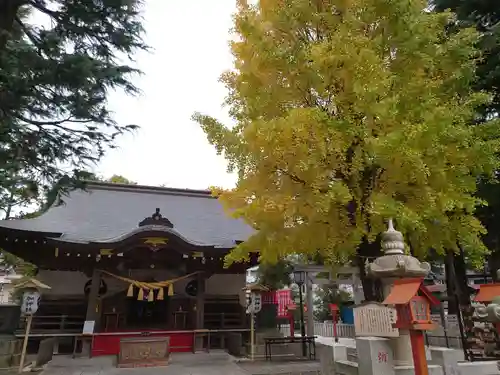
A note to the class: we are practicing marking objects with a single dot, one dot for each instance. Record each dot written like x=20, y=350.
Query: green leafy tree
x=347, y=114
x=55, y=79
x=18, y=193
x=118, y=179
x=274, y=276
x=10, y=263
x=114, y=179
x=326, y=295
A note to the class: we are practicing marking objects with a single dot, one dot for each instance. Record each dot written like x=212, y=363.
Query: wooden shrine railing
x=60, y=323
x=223, y=320
x=74, y=323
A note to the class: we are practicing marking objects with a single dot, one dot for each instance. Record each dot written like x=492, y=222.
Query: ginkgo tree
x=348, y=113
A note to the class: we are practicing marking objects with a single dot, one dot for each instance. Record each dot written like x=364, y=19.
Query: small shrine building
x=134, y=260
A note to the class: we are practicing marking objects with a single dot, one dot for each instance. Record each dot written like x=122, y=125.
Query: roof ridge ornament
x=156, y=219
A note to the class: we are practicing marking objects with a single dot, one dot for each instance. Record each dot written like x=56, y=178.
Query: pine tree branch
x=8, y=12
x=39, y=6
x=56, y=124
x=28, y=33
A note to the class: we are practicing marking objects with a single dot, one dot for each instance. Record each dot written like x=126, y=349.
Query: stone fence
x=375, y=357
x=447, y=335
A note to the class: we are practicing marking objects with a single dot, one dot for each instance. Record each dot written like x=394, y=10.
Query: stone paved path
x=181, y=364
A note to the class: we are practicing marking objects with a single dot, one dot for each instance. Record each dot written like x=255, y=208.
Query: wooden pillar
x=200, y=312
x=200, y=302
x=418, y=352
x=93, y=311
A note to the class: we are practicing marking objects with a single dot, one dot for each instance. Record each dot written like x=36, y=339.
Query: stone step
x=276, y=349
x=280, y=356
x=352, y=354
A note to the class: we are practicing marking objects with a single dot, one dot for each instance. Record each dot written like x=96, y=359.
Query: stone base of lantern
x=401, y=347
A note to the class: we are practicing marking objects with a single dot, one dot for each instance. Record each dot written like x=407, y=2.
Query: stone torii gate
x=347, y=274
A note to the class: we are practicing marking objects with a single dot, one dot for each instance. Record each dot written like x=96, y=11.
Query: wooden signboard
x=88, y=328
x=374, y=319
x=144, y=352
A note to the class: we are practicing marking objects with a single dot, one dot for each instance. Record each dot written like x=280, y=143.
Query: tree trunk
x=367, y=283
x=449, y=270
x=371, y=287
x=8, y=12
x=494, y=264
x=456, y=281
x=461, y=278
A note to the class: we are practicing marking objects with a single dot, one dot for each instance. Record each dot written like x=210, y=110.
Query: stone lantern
x=395, y=264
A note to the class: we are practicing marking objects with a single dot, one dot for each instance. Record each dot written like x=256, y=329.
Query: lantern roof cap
x=29, y=282
x=405, y=289
x=487, y=292
x=394, y=262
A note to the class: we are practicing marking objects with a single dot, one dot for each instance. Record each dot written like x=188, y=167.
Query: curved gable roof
x=104, y=212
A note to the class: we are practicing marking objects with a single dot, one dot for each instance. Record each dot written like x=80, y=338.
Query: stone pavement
x=215, y=363
x=282, y=367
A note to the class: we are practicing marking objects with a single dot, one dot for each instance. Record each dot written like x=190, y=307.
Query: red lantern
x=414, y=311
x=413, y=314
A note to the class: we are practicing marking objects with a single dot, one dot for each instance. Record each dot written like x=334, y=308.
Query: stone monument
x=395, y=264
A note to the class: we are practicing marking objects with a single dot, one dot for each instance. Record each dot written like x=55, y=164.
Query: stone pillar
x=392, y=265
x=358, y=293
x=310, y=306
x=375, y=356
x=93, y=311
x=448, y=359
x=401, y=346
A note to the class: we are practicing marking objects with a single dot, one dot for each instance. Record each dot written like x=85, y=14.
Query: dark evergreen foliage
x=485, y=16
x=55, y=78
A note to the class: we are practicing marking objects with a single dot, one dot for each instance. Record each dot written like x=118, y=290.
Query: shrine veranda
x=135, y=260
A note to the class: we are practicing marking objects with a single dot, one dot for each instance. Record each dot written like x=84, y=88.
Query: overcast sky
x=190, y=50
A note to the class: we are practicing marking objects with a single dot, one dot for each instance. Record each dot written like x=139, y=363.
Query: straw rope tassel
x=140, y=295
x=130, y=292
x=159, y=297
x=170, y=289
x=151, y=295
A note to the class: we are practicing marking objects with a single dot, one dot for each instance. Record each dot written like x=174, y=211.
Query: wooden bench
x=309, y=341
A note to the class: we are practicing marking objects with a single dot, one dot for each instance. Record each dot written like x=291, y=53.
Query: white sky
x=190, y=46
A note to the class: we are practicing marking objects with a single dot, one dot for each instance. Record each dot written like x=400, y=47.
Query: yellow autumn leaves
x=348, y=113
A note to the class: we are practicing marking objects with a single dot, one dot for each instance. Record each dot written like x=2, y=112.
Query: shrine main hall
x=134, y=260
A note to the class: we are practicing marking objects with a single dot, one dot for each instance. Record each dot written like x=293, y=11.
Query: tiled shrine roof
x=106, y=213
